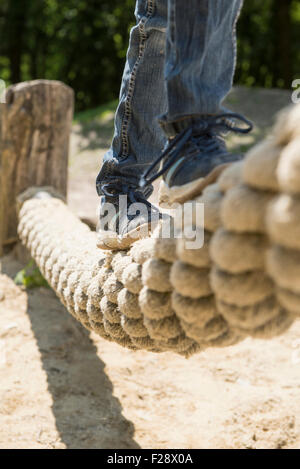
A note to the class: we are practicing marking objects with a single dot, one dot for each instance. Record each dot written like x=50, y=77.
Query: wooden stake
x=34, y=144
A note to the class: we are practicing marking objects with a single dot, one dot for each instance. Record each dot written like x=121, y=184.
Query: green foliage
x=269, y=43
x=96, y=114
x=84, y=43
x=80, y=42
x=30, y=277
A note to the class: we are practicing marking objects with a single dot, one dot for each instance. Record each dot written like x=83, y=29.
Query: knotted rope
x=161, y=296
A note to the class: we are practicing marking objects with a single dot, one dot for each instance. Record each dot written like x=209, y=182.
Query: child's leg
x=138, y=138
x=200, y=55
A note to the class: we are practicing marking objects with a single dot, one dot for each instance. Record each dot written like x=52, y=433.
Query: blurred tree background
x=84, y=42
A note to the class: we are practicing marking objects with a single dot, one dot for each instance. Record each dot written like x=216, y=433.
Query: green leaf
x=30, y=277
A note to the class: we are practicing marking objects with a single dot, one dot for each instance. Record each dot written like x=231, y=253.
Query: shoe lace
x=114, y=188
x=202, y=132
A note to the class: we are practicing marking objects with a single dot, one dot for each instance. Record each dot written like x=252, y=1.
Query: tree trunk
x=283, y=42
x=35, y=129
x=14, y=33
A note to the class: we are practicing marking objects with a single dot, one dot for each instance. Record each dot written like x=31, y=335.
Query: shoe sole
x=110, y=240
x=180, y=194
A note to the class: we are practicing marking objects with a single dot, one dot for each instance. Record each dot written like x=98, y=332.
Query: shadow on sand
x=86, y=412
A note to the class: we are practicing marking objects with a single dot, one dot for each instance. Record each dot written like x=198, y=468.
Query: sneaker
x=195, y=156
x=125, y=215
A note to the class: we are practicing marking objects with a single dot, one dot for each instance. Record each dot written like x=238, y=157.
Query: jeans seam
x=234, y=38
x=131, y=85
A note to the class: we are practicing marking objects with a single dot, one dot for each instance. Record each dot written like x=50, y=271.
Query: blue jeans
x=180, y=63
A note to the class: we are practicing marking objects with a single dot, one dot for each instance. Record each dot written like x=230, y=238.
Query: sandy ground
x=61, y=387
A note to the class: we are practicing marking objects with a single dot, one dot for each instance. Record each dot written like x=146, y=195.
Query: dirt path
x=61, y=387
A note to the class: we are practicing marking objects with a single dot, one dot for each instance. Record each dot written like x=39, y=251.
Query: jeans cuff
x=112, y=172
x=171, y=128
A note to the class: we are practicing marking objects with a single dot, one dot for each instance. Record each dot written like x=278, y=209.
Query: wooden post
x=1, y=203
x=35, y=129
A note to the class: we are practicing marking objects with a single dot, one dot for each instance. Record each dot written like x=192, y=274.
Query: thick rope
x=161, y=296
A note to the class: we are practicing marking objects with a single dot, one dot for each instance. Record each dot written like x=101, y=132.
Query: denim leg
x=200, y=55
x=138, y=137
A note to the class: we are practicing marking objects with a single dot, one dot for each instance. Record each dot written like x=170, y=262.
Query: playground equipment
x=158, y=295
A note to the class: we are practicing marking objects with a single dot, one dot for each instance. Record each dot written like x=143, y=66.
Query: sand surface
x=61, y=387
